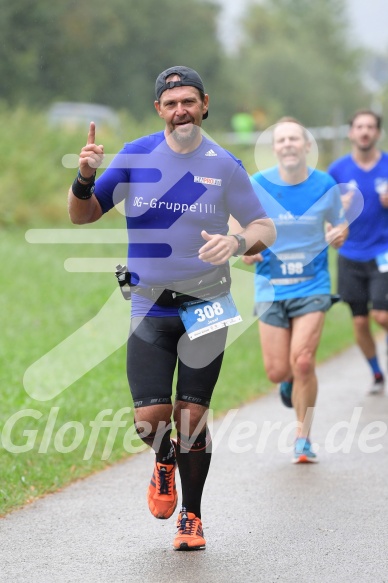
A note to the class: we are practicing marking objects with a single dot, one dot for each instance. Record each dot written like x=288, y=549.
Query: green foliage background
x=294, y=57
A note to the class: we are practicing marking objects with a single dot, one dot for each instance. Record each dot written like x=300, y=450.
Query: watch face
x=242, y=245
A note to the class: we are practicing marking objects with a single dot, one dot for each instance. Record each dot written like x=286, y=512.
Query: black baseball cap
x=188, y=77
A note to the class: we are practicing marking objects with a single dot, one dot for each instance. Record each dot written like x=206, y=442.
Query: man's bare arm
x=259, y=234
x=82, y=212
x=91, y=156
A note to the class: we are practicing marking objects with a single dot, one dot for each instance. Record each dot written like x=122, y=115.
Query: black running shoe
x=378, y=385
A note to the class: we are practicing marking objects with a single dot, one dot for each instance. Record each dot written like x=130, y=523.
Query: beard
x=185, y=134
x=366, y=146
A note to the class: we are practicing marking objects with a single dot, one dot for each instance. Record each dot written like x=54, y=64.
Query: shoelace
x=165, y=480
x=186, y=525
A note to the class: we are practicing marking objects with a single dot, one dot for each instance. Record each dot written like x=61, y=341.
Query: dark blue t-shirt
x=169, y=198
x=368, y=233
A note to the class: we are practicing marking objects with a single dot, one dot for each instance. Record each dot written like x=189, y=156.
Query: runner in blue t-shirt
x=292, y=282
x=179, y=189
x=363, y=259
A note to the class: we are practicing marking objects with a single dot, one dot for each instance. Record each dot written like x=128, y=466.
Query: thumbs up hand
x=91, y=155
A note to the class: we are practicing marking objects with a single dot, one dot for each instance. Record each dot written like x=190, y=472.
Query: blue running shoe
x=285, y=391
x=302, y=452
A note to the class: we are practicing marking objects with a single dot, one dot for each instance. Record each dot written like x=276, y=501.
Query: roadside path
x=265, y=519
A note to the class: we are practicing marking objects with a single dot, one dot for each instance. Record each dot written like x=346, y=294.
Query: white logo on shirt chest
x=204, y=180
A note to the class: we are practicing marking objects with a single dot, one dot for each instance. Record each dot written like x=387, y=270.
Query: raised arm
x=82, y=204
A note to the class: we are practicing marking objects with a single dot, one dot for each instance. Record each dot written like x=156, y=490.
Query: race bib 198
x=290, y=268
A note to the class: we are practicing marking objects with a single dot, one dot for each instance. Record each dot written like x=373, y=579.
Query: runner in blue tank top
x=179, y=189
x=292, y=282
x=363, y=259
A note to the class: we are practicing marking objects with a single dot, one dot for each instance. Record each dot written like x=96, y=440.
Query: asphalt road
x=265, y=519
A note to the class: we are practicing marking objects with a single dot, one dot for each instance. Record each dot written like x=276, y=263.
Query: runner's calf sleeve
x=193, y=457
x=199, y=443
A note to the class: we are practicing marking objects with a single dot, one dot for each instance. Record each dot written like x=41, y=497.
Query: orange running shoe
x=162, y=496
x=190, y=533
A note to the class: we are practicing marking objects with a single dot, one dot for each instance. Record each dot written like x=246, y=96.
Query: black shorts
x=362, y=285
x=156, y=346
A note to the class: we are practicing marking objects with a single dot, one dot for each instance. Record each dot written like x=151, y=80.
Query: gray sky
x=369, y=19
x=370, y=22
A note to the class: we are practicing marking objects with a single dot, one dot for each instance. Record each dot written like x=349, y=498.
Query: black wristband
x=82, y=191
x=84, y=180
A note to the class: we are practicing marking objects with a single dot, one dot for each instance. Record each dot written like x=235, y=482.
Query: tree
x=296, y=57
x=103, y=52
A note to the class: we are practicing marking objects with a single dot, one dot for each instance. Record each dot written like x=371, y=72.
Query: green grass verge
x=34, y=178
x=42, y=305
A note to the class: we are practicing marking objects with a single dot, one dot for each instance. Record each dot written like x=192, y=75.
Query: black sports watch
x=242, y=245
